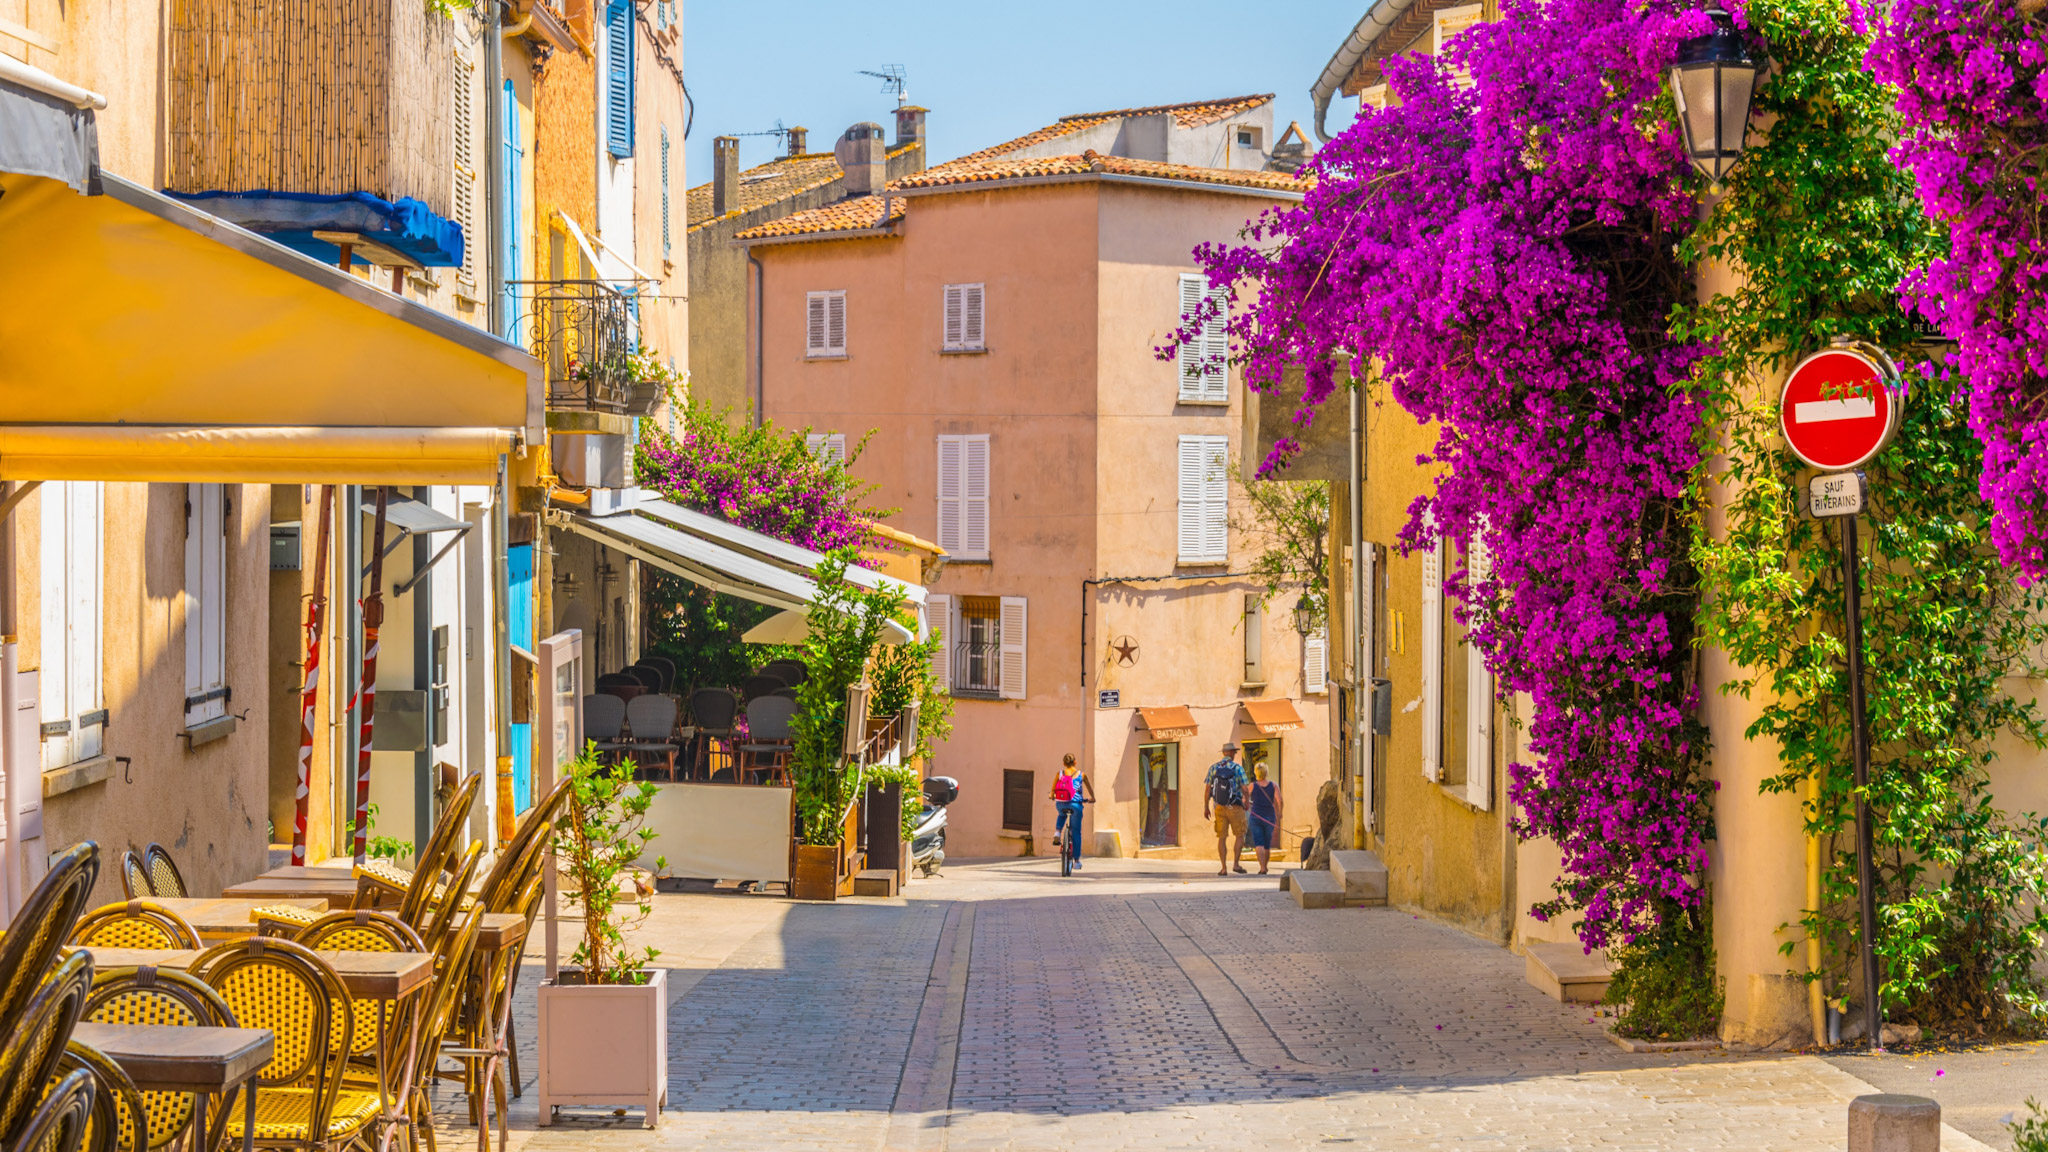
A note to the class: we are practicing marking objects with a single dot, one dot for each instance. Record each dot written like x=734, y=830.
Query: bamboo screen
x=321, y=96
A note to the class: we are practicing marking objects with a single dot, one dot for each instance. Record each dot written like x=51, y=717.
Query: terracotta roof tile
x=845, y=216
x=1193, y=114
x=765, y=184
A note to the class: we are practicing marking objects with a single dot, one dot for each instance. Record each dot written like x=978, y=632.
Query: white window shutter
x=835, y=322
x=951, y=496
x=1216, y=499
x=1315, y=665
x=828, y=447
x=1189, y=355
x=971, y=316
x=975, y=503
x=938, y=616
x=956, y=315
x=1190, y=543
x=814, y=337
x=72, y=567
x=1216, y=349
x=1479, y=745
x=1432, y=658
x=205, y=603
x=1014, y=625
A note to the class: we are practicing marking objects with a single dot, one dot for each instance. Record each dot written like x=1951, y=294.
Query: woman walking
x=1264, y=810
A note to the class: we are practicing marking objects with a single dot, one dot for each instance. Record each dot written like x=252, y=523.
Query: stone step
x=1362, y=876
x=875, y=882
x=1316, y=889
x=1564, y=972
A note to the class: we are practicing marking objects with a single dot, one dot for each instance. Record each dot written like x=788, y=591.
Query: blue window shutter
x=618, y=117
x=510, y=218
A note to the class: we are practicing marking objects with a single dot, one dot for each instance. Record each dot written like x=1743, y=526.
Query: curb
x=1628, y=1045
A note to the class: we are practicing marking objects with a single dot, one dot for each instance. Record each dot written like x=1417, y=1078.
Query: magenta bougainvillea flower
x=766, y=479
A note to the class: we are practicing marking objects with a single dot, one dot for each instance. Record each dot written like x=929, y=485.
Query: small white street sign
x=1836, y=494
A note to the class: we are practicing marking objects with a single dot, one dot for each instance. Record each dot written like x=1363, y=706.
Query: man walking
x=1223, y=790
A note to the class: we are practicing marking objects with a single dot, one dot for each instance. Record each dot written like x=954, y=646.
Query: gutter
x=812, y=237
x=28, y=76
x=1371, y=27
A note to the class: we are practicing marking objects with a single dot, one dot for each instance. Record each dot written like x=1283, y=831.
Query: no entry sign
x=1841, y=405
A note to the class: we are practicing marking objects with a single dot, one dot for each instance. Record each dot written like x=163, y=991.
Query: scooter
x=928, y=839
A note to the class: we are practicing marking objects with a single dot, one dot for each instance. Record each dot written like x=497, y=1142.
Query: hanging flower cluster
x=1500, y=245
x=764, y=478
x=1972, y=83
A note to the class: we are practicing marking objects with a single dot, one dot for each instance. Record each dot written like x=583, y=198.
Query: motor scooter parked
x=928, y=839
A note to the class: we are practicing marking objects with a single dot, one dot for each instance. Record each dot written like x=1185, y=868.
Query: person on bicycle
x=1068, y=790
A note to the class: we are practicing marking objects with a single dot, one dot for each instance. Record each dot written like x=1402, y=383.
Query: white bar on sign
x=1822, y=411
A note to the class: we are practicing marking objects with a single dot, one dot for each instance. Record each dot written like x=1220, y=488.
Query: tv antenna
x=893, y=80
x=778, y=131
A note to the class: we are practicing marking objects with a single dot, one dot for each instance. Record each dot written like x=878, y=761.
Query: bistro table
x=366, y=975
x=338, y=892
x=500, y=936
x=218, y=919
x=202, y=1061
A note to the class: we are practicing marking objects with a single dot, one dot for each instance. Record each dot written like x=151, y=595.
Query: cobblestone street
x=1146, y=1005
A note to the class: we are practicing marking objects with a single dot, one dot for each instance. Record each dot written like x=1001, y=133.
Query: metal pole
x=309, y=694
x=1859, y=745
x=366, y=696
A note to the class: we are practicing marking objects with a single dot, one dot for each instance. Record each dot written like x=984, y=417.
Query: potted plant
x=604, y=1018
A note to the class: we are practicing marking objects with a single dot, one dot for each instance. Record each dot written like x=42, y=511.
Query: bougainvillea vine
x=1500, y=245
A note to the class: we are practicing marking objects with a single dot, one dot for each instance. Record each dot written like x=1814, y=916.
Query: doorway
x=1159, y=783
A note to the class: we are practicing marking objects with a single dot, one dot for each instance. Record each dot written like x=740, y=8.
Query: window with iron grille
x=978, y=650
x=1018, y=795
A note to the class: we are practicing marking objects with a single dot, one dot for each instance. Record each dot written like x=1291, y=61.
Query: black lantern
x=1305, y=614
x=1712, y=81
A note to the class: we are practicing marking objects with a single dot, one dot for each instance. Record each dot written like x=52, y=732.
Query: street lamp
x=1305, y=614
x=1712, y=81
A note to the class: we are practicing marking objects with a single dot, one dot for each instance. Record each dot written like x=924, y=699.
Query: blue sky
x=991, y=71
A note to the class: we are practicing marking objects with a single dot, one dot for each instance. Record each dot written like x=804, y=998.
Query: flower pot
x=642, y=396
x=817, y=872
x=604, y=1044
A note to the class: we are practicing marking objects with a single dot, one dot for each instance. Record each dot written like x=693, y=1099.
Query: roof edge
x=1101, y=177
x=1370, y=28
x=816, y=237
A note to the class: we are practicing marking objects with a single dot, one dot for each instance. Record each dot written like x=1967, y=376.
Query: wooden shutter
x=1190, y=533
x=956, y=315
x=828, y=447
x=1315, y=665
x=1254, y=625
x=971, y=316
x=1204, y=499
x=465, y=162
x=1188, y=357
x=1216, y=349
x=1014, y=626
x=72, y=574
x=618, y=81
x=835, y=323
x=951, y=514
x=205, y=603
x=1019, y=799
x=1432, y=656
x=974, y=502
x=938, y=617
x=1479, y=703
x=814, y=334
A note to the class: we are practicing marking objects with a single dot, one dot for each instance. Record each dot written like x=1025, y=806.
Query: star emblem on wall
x=1126, y=650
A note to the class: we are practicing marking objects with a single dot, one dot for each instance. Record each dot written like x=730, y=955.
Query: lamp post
x=1712, y=81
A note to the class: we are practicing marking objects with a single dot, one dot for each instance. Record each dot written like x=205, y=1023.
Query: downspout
x=760, y=335
x=1377, y=20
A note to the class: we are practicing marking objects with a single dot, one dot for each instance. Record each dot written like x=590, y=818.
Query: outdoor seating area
x=731, y=735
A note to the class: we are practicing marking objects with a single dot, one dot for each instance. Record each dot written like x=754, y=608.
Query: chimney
x=910, y=125
x=796, y=140
x=725, y=175
x=861, y=156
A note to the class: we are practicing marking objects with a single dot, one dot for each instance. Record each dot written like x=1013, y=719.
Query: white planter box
x=605, y=1046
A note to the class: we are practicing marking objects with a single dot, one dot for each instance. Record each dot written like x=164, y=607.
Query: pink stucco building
x=993, y=321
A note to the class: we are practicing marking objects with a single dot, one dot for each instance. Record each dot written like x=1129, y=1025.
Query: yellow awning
x=1272, y=717
x=1174, y=722
x=141, y=339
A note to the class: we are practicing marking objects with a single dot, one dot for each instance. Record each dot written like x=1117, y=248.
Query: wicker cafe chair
x=361, y=930
x=52, y=909
x=414, y=890
x=438, y=1006
x=37, y=1041
x=287, y=988
x=136, y=924
x=170, y=998
x=60, y=1121
x=434, y=922
x=164, y=878
x=118, y=1120
x=134, y=877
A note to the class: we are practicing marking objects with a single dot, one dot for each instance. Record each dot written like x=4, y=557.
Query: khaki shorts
x=1229, y=820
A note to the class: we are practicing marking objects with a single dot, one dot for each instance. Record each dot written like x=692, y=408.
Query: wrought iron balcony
x=583, y=335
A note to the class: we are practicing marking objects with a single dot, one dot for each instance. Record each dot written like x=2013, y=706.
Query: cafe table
x=222, y=918
x=202, y=1061
x=498, y=936
x=336, y=892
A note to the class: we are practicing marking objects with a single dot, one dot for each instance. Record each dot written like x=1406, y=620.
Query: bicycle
x=1070, y=844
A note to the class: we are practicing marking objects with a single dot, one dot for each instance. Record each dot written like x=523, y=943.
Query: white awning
x=768, y=548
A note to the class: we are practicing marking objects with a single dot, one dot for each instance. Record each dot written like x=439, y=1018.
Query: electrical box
x=284, y=548
x=400, y=717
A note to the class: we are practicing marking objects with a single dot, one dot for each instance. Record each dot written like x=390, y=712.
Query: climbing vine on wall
x=1822, y=227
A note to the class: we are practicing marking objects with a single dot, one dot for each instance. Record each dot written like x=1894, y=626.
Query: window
x=665, y=247
x=618, y=79
x=465, y=164
x=74, y=721
x=828, y=447
x=1457, y=689
x=1159, y=795
x=206, y=603
x=1204, y=499
x=1253, y=625
x=963, y=318
x=825, y=334
x=978, y=652
x=1019, y=798
x=1247, y=137
x=1204, y=373
x=963, y=496
x=983, y=651
x=1315, y=665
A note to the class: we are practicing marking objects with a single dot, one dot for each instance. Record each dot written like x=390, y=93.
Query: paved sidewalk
x=1144, y=1005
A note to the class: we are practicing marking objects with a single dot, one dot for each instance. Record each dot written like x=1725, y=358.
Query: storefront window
x=1159, y=781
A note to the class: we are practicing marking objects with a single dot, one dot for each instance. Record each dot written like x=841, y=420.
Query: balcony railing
x=978, y=669
x=583, y=335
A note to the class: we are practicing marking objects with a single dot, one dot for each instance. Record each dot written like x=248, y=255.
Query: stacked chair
x=51, y=1090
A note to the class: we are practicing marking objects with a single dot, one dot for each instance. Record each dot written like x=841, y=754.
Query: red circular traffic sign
x=1840, y=406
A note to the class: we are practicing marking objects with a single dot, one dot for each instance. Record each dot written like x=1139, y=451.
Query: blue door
x=520, y=567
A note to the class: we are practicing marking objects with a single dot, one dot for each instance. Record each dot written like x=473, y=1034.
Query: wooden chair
x=119, y=1121
x=379, y=883
x=452, y=964
x=162, y=996
x=44, y=921
x=134, y=877
x=136, y=924
x=435, y=918
x=61, y=1119
x=301, y=1101
x=164, y=877
x=36, y=1042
